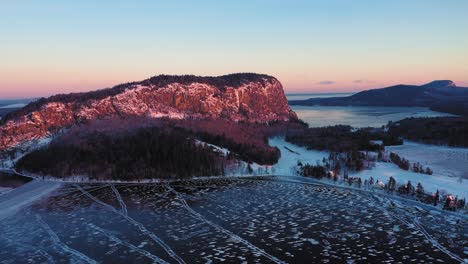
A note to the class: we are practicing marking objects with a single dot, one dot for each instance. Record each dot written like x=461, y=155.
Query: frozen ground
x=4, y=190
x=443, y=160
x=291, y=154
x=446, y=162
x=236, y=220
x=382, y=171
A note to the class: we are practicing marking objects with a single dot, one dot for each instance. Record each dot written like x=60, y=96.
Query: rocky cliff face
x=251, y=98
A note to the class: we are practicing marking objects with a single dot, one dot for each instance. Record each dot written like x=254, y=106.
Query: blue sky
x=321, y=46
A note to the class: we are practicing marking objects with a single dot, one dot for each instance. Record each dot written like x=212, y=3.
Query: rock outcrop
x=245, y=97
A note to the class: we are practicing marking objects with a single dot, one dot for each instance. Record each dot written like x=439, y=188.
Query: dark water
x=228, y=220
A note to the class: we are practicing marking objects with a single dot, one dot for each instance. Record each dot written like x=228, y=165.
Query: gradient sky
x=60, y=46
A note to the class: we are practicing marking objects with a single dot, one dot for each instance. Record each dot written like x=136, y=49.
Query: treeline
x=405, y=164
x=248, y=141
x=222, y=82
x=315, y=171
x=450, y=202
x=402, y=163
x=144, y=154
x=341, y=138
x=244, y=151
x=450, y=131
x=456, y=108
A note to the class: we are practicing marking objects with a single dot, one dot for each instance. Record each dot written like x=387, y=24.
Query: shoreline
x=274, y=177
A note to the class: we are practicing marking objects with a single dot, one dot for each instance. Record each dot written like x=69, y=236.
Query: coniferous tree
x=419, y=190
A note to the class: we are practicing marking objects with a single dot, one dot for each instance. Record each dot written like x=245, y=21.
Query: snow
x=4, y=190
x=22, y=150
x=443, y=160
x=218, y=149
x=13, y=106
x=238, y=219
x=383, y=171
x=15, y=199
x=170, y=114
x=289, y=158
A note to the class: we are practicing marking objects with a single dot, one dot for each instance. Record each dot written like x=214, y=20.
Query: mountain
x=240, y=98
x=441, y=95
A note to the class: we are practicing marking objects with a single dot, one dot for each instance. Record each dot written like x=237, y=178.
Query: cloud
x=326, y=82
x=361, y=81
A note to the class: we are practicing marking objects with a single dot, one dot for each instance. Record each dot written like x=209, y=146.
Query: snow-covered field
x=443, y=160
x=289, y=158
x=382, y=171
x=446, y=163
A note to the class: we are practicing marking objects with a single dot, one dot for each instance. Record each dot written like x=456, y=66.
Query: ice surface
x=255, y=220
x=359, y=116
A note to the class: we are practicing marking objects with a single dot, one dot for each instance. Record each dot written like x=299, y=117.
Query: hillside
x=442, y=95
x=244, y=97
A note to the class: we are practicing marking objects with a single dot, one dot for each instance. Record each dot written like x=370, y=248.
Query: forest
x=144, y=154
x=341, y=138
x=165, y=148
x=451, y=131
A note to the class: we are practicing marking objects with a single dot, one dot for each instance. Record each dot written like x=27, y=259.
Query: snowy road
x=17, y=198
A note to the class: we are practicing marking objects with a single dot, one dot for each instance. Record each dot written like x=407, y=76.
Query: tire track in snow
x=119, y=198
x=435, y=242
x=223, y=230
x=147, y=254
x=141, y=227
x=418, y=227
x=59, y=243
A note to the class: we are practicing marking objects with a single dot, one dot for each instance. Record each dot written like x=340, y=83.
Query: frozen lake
x=236, y=220
x=358, y=116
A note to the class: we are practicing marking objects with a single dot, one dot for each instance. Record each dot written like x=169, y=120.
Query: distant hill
x=440, y=95
x=240, y=98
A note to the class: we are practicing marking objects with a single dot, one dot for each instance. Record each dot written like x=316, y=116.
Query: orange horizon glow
x=51, y=47
x=44, y=86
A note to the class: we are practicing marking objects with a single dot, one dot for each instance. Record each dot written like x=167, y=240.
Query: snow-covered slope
x=291, y=154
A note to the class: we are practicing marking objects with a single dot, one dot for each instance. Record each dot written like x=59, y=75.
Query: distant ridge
x=439, y=95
